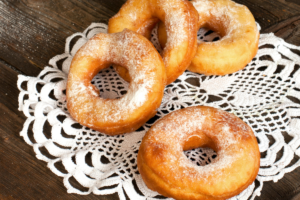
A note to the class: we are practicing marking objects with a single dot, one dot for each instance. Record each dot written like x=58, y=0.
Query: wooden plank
x=33, y=31
x=268, y=13
x=22, y=175
x=289, y=30
x=9, y=91
x=285, y=188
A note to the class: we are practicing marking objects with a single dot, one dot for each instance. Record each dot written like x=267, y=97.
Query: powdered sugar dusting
x=226, y=12
x=178, y=24
x=223, y=128
x=123, y=49
x=215, y=168
x=179, y=127
x=93, y=49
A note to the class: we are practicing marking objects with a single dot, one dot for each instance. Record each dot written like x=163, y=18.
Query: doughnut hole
x=109, y=83
x=180, y=18
x=206, y=33
x=143, y=97
x=201, y=156
x=165, y=169
x=199, y=151
x=239, y=37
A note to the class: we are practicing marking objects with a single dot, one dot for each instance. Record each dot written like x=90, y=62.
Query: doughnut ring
x=116, y=116
x=239, y=42
x=165, y=169
x=181, y=20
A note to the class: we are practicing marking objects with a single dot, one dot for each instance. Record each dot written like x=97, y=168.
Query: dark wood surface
x=33, y=31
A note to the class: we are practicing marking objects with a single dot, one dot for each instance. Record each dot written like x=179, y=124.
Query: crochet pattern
x=264, y=95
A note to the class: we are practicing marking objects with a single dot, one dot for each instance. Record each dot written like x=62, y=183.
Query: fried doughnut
x=165, y=169
x=116, y=116
x=181, y=20
x=239, y=42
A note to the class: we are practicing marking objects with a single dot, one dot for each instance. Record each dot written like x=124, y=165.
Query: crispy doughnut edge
x=176, y=59
x=171, y=189
x=131, y=123
x=222, y=57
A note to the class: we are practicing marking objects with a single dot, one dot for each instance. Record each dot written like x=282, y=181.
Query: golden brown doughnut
x=165, y=169
x=181, y=20
x=116, y=116
x=239, y=42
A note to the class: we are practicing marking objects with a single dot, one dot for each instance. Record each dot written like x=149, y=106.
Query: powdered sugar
x=202, y=6
x=123, y=49
x=180, y=18
x=175, y=129
x=207, y=173
x=178, y=128
x=226, y=12
x=93, y=48
x=176, y=22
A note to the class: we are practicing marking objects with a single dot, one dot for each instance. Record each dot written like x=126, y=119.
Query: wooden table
x=33, y=31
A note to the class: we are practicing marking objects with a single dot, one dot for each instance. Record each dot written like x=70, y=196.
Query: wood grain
x=22, y=175
x=33, y=31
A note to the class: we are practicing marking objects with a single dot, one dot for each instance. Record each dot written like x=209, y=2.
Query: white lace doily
x=265, y=95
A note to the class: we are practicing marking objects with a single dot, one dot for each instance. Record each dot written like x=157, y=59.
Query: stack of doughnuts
x=181, y=20
x=161, y=161
x=239, y=42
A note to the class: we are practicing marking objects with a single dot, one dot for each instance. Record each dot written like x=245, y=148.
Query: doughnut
x=181, y=20
x=239, y=42
x=165, y=168
x=116, y=116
